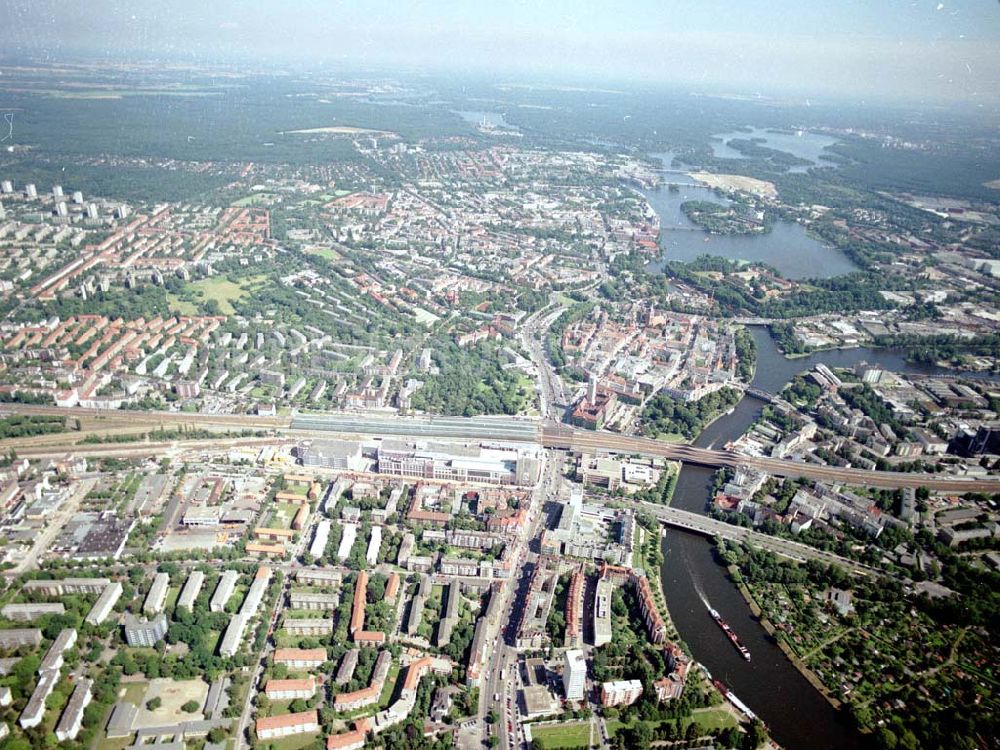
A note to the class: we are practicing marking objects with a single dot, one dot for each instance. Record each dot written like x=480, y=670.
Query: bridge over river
x=699, y=524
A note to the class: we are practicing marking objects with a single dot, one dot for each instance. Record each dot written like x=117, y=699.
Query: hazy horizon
x=930, y=52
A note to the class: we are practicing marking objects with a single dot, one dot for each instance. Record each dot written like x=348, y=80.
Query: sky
x=946, y=50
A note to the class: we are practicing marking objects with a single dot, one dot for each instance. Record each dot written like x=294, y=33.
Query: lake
x=799, y=143
x=786, y=247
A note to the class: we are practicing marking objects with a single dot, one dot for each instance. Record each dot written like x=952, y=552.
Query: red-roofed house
x=282, y=726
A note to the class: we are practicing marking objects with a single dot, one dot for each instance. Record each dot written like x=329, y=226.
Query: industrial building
x=332, y=454
x=510, y=464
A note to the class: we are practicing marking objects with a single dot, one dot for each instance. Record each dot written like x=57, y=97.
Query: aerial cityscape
x=364, y=398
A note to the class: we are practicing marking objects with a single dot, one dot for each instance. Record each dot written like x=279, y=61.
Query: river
x=796, y=714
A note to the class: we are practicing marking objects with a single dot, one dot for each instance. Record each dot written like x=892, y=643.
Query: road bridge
x=699, y=524
x=761, y=394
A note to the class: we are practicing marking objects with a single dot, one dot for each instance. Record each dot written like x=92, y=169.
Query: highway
x=688, y=521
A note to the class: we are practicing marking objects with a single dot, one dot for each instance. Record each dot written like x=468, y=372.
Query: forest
x=666, y=414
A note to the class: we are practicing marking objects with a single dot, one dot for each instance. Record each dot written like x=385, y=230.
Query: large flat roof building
x=332, y=454
x=157, y=594
x=320, y=576
x=516, y=464
x=105, y=603
x=374, y=544
x=308, y=626
x=34, y=710
x=20, y=637
x=620, y=692
x=32, y=610
x=223, y=590
x=602, y=612
x=72, y=717
x=574, y=675
x=53, y=659
x=144, y=633
x=347, y=666
x=234, y=634
x=322, y=536
x=191, y=590
x=63, y=586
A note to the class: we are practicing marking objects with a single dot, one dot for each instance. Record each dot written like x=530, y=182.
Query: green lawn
x=219, y=288
x=295, y=742
x=255, y=199
x=324, y=252
x=134, y=692
x=709, y=719
x=671, y=437
x=390, y=686
x=283, y=515
x=104, y=743
x=554, y=736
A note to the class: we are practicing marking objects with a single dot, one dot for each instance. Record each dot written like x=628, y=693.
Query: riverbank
x=651, y=559
x=952, y=369
x=785, y=648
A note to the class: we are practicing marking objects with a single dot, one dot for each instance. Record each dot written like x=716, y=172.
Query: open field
x=340, y=130
x=295, y=742
x=737, y=182
x=555, y=736
x=255, y=200
x=224, y=291
x=324, y=252
x=174, y=694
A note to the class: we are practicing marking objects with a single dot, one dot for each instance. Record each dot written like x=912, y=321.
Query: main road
x=688, y=521
x=499, y=673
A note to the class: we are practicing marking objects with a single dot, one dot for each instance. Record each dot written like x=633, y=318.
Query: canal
x=796, y=714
